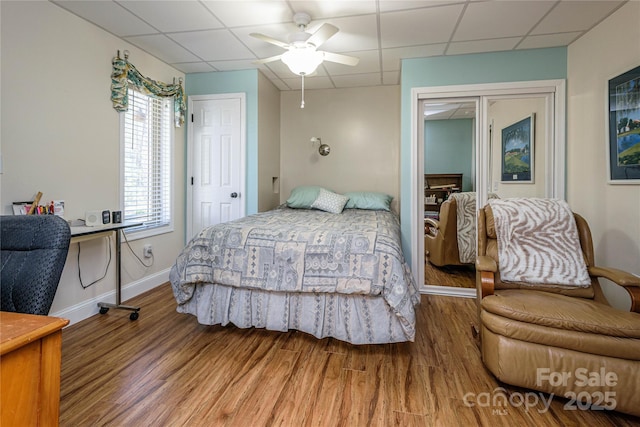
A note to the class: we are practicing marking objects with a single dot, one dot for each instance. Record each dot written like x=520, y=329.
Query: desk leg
x=104, y=306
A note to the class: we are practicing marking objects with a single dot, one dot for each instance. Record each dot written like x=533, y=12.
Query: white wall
x=613, y=211
x=362, y=127
x=60, y=136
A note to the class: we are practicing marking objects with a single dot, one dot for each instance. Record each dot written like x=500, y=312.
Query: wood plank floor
x=456, y=276
x=167, y=370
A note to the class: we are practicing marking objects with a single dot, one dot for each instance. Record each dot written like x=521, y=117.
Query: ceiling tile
x=320, y=82
x=232, y=65
x=460, y=48
x=394, y=5
x=193, y=67
x=212, y=45
x=391, y=57
x=486, y=20
x=575, y=16
x=418, y=27
x=369, y=63
x=243, y=13
x=170, y=16
x=550, y=40
x=357, y=80
x=108, y=15
x=162, y=48
x=356, y=33
x=334, y=8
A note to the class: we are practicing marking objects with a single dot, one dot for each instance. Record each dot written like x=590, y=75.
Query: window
x=147, y=163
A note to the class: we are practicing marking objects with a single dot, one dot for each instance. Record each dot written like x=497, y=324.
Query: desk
x=81, y=233
x=30, y=360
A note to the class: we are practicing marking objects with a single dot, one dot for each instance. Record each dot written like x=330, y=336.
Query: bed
x=330, y=275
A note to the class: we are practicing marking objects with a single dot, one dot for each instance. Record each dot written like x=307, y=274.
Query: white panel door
x=216, y=157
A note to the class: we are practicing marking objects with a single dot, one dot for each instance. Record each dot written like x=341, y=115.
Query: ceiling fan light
x=302, y=61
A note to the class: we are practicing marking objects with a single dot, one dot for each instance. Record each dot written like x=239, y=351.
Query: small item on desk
x=34, y=205
x=116, y=217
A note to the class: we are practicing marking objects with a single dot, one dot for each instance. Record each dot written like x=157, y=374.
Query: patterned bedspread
x=302, y=251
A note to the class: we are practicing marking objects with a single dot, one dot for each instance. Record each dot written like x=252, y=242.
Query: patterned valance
x=124, y=74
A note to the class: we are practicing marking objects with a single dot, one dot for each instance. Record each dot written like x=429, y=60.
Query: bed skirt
x=357, y=319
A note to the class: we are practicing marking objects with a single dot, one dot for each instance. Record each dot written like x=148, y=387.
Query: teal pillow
x=302, y=197
x=368, y=200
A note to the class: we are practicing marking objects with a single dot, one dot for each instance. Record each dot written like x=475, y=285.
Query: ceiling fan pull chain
x=302, y=103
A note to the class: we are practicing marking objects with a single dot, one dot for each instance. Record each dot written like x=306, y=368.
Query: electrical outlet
x=147, y=251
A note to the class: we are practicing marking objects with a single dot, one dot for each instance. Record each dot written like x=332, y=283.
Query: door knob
x=234, y=195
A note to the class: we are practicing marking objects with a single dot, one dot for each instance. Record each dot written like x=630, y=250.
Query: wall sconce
x=323, y=149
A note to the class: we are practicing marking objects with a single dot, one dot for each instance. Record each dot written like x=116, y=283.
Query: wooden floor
x=165, y=369
x=456, y=276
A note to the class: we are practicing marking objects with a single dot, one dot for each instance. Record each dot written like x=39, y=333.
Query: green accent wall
x=448, y=148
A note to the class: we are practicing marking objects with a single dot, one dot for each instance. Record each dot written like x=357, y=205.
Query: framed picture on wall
x=623, y=150
x=517, y=151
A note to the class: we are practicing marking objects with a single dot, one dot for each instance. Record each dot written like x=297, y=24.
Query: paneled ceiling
x=197, y=36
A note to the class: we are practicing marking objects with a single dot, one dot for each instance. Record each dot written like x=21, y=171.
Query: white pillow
x=329, y=201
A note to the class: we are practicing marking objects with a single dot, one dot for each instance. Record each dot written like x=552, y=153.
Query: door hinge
x=191, y=180
x=192, y=118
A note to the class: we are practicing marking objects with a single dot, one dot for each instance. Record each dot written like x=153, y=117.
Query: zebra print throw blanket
x=538, y=242
x=466, y=225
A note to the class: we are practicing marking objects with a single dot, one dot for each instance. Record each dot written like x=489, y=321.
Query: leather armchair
x=34, y=251
x=568, y=342
x=441, y=238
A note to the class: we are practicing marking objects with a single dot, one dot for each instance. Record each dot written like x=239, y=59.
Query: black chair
x=34, y=250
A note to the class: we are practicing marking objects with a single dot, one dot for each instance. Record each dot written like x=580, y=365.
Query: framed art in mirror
x=623, y=151
x=517, y=151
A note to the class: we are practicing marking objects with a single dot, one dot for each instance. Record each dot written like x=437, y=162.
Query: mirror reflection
x=449, y=192
x=517, y=167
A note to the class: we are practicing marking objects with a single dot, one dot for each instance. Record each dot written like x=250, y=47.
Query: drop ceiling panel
x=170, y=16
x=334, y=8
x=369, y=63
x=108, y=15
x=460, y=48
x=250, y=13
x=391, y=58
x=419, y=27
x=212, y=45
x=487, y=20
x=575, y=16
x=163, y=48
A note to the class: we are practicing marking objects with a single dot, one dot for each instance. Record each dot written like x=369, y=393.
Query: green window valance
x=124, y=74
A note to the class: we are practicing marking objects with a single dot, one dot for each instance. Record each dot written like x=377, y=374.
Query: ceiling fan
x=302, y=56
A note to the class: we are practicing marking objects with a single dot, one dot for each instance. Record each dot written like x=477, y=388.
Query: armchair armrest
x=621, y=278
x=486, y=269
x=432, y=223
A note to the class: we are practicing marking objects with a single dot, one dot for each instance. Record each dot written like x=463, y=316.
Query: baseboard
x=88, y=308
x=448, y=291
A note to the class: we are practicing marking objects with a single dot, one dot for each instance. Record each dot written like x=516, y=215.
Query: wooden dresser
x=30, y=356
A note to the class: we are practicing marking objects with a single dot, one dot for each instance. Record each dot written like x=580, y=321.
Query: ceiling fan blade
x=270, y=40
x=341, y=59
x=322, y=34
x=269, y=59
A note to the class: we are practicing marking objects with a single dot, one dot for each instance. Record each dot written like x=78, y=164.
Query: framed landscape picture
x=623, y=149
x=517, y=151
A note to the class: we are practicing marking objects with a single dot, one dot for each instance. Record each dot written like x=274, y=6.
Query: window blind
x=147, y=143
